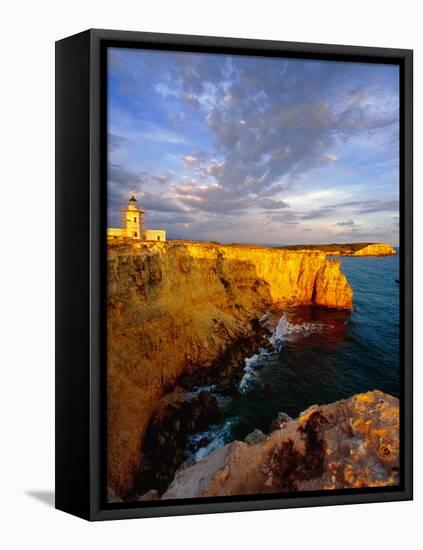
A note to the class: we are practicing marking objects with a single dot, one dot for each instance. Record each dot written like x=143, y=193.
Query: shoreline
x=176, y=308
x=222, y=293
x=326, y=447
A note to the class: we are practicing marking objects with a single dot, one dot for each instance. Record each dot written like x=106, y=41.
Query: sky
x=253, y=149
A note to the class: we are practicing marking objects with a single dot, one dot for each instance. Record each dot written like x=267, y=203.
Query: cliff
x=375, y=250
x=177, y=309
x=351, y=249
x=348, y=444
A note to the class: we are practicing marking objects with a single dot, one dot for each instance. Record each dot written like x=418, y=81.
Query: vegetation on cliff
x=179, y=309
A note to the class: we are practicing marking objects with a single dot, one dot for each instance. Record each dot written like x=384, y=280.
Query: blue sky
x=247, y=149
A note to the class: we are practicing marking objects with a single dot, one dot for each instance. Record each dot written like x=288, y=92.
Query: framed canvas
x=233, y=274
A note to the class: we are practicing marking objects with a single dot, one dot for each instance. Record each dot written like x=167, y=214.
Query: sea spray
x=252, y=365
x=288, y=332
x=277, y=338
x=284, y=332
x=201, y=444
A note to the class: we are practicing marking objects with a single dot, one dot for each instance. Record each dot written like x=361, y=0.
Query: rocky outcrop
x=177, y=309
x=376, y=250
x=331, y=287
x=178, y=415
x=348, y=444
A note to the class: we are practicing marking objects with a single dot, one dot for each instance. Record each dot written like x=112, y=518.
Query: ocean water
x=320, y=356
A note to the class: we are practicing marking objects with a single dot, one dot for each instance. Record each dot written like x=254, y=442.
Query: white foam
x=281, y=330
x=195, y=392
x=218, y=436
x=251, y=365
x=288, y=332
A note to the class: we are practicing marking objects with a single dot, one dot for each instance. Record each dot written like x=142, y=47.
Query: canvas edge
x=95, y=466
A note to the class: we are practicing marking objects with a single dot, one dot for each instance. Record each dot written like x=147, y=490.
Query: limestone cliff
x=347, y=249
x=376, y=250
x=176, y=308
x=347, y=444
x=330, y=288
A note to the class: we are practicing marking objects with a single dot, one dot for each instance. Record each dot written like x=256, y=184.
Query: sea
x=317, y=356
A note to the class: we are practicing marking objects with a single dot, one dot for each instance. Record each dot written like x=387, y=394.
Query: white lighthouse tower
x=132, y=225
x=132, y=218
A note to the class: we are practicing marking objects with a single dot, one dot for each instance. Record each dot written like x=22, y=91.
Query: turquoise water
x=321, y=356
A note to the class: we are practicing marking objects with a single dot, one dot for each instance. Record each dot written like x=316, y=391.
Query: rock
x=352, y=249
x=279, y=421
x=149, y=495
x=112, y=497
x=164, y=449
x=204, y=441
x=377, y=249
x=186, y=464
x=208, y=401
x=256, y=436
x=331, y=288
x=170, y=316
x=351, y=443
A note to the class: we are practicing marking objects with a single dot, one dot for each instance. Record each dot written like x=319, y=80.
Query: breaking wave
x=202, y=444
x=252, y=365
x=285, y=331
x=288, y=332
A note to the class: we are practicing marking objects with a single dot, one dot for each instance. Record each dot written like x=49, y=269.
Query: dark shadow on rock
x=46, y=497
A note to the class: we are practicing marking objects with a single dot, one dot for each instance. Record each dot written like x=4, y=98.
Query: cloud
x=367, y=234
x=272, y=204
x=273, y=121
x=160, y=202
x=166, y=219
x=380, y=206
x=369, y=206
x=318, y=213
x=117, y=174
x=287, y=217
x=223, y=138
x=123, y=183
x=114, y=141
x=161, y=135
x=333, y=158
x=121, y=175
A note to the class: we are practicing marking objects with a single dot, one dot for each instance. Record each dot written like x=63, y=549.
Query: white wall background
x=28, y=31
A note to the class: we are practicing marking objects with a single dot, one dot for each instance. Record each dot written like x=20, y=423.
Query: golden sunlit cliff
x=178, y=308
x=379, y=249
x=348, y=249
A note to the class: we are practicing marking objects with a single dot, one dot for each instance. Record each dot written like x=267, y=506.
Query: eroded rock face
x=376, y=250
x=179, y=414
x=331, y=287
x=176, y=309
x=348, y=444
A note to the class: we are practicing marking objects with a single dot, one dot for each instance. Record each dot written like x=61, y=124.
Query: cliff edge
x=348, y=249
x=376, y=250
x=179, y=308
x=348, y=444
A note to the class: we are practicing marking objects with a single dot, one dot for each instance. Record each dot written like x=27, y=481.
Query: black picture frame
x=81, y=268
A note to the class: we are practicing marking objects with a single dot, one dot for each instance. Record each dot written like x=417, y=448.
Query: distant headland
x=350, y=249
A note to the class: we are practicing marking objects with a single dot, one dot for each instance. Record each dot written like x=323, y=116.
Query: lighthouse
x=132, y=225
x=132, y=218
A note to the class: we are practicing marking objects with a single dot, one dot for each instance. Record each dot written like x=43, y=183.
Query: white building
x=132, y=221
